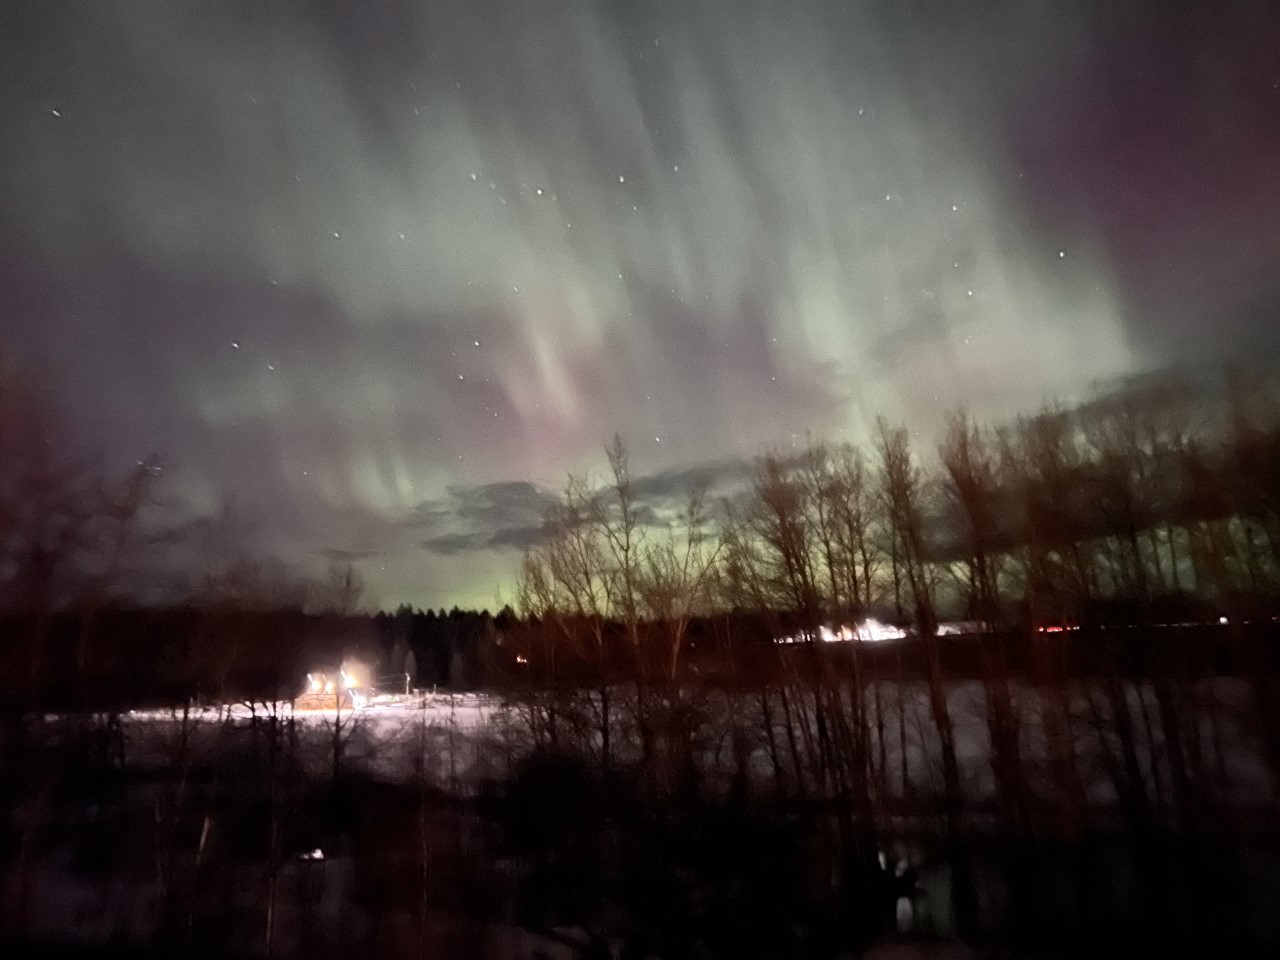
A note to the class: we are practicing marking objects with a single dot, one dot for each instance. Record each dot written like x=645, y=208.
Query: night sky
x=380, y=272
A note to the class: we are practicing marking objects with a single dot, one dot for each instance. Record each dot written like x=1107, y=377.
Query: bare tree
x=68, y=528
x=853, y=511
x=971, y=487
x=676, y=579
x=903, y=491
x=338, y=592
x=616, y=513
x=566, y=581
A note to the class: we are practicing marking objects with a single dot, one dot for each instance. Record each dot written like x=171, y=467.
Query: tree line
x=1160, y=499
x=665, y=775
x=1076, y=542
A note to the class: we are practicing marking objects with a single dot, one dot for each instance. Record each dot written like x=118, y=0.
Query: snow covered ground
x=390, y=735
x=460, y=737
x=458, y=741
x=465, y=709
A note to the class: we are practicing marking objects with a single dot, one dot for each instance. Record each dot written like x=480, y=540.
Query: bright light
x=521, y=659
x=1223, y=621
x=873, y=631
x=355, y=673
x=869, y=631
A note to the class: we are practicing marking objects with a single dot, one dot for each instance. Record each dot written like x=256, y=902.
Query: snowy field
x=458, y=741
x=467, y=710
x=460, y=738
x=390, y=735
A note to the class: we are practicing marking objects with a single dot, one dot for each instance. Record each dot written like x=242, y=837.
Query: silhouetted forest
x=1071, y=742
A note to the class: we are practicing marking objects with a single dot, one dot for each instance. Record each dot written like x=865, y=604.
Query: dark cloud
x=679, y=482
x=501, y=504
x=511, y=538
x=663, y=497
x=450, y=544
x=510, y=516
x=493, y=516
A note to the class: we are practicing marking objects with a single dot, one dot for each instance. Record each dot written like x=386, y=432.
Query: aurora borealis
x=382, y=271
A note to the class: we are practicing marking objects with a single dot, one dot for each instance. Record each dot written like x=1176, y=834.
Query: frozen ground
x=459, y=737
x=391, y=735
x=467, y=710
x=459, y=741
